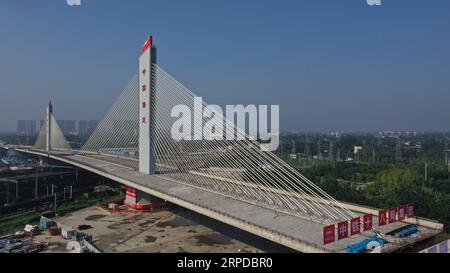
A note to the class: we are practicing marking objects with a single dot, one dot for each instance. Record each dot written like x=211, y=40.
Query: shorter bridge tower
x=50, y=136
x=48, y=127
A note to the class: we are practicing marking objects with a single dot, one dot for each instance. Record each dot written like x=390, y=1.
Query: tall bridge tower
x=147, y=96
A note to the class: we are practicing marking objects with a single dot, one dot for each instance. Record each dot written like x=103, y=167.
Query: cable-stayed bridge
x=227, y=175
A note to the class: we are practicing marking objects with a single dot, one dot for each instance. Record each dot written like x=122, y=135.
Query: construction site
x=115, y=228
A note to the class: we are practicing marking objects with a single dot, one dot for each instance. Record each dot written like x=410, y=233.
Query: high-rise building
x=71, y=127
x=26, y=127
x=21, y=127
x=91, y=126
x=82, y=127
x=68, y=126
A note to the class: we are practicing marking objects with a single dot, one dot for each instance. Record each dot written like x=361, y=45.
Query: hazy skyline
x=330, y=65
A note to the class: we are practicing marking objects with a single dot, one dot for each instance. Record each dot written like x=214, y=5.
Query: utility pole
x=446, y=158
x=447, y=163
x=70, y=192
x=319, y=155
x=307, y=150
x=398, y=151
x=53, y=190
x=426, y=171
x=7, y=191
x=330, y=154
x=36, y=186
x=373, y=154
x=55, y=201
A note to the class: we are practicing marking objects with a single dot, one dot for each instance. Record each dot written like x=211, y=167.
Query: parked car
x=83, y=227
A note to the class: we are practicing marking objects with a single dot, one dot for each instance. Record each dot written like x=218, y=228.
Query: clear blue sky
x=329, y=64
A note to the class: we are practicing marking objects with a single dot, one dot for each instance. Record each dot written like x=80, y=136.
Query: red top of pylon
x=147, y=44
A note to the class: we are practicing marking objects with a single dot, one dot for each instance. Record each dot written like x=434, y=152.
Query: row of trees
x=389, y=187
x=422, y=147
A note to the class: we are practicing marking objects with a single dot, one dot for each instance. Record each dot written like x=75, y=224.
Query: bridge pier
x=142, y=201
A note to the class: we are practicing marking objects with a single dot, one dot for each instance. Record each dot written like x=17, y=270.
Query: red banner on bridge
x=342, y=230
x=381, y=218
x=368, y=222
x=355, y=226
x=410, y=210
x=328, y=234
x=401, y=212
x=392, y=215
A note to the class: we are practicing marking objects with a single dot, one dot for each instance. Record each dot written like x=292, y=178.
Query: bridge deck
x=288, y=230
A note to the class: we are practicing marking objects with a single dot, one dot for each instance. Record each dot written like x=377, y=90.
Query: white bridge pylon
x=136, y=132
x=50, y=135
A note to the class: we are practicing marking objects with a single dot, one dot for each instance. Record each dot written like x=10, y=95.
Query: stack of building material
x=31, y=229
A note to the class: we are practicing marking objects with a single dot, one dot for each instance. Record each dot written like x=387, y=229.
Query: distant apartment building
x=396, y=133
x=91, y=126
x=73, y=127
x=68, y=126
x=336, y=134
x=82, y=127
x=86, y=127
x=26, y=127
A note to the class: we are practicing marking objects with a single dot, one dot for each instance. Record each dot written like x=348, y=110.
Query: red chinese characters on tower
x=144, y=104
x=401, y=212
x=355, y=226
x=144, y=88
x=392, y=215
x=368, y=222
x=144, y=120
x=382, y=218
x=342, y=230
x=328, y=234
x=144, y=71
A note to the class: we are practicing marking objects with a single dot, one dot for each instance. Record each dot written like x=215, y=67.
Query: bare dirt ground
x=174, y=230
